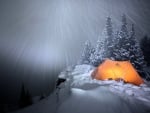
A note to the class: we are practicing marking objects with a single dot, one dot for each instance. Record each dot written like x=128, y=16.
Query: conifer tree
x=136, y=54
x=145, y=46
x=108, y=36
x=121, y=49
x=104, y=46
x=25, y=98
x=22, y=97
x=97, y=57
x=121, y=46
x=87, y=51
x=28, y=98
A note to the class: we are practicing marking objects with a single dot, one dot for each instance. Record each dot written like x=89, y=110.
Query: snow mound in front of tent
x=101, y=100
x=93, y=96
x=81, y=76
x=82, y=94
x=75, y=71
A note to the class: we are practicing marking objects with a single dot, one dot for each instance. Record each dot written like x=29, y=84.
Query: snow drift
x=84, y=94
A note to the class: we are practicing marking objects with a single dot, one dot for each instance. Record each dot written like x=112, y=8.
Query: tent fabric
x=115, y=70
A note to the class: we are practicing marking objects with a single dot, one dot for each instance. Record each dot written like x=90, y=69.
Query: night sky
x=39, y=38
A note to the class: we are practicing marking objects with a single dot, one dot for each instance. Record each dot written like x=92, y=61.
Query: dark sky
x=38, y=38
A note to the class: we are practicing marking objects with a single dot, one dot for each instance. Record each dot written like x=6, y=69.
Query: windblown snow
x=82, y=94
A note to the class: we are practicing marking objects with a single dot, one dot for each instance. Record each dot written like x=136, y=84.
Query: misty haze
x=52, y=46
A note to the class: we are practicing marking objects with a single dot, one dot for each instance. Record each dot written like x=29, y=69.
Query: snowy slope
x=85, y=95
x=43, y=35
x=99, y=100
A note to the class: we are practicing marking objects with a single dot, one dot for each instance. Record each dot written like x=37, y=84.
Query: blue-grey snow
x=82, y=94
x=39, y=36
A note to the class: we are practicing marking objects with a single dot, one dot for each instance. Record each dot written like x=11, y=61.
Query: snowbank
x=77, y=70
x=81, y=94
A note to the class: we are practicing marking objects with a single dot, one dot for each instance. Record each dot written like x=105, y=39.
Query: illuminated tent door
x=117, y=70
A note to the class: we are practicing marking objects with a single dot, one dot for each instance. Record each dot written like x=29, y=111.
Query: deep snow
x=39, y=36
x=84, y=95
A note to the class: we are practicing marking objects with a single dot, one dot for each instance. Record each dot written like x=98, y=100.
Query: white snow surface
x=78, y=70
x=85, y=95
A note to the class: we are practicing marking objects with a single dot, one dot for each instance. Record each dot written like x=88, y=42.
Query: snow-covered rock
x=81, y=69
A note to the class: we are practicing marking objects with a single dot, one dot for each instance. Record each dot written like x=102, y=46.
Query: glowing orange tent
x=117, y=70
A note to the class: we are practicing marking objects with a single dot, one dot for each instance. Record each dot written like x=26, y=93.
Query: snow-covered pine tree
x=145, y=46
x=104, y=46
x=25, y=98
x=109, y=41
x=97, y=56
x=116, y=47
x=136, y=54
x=121, y=49
x=87, y=51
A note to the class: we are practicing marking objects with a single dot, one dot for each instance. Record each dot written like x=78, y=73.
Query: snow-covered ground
x=81, y=94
